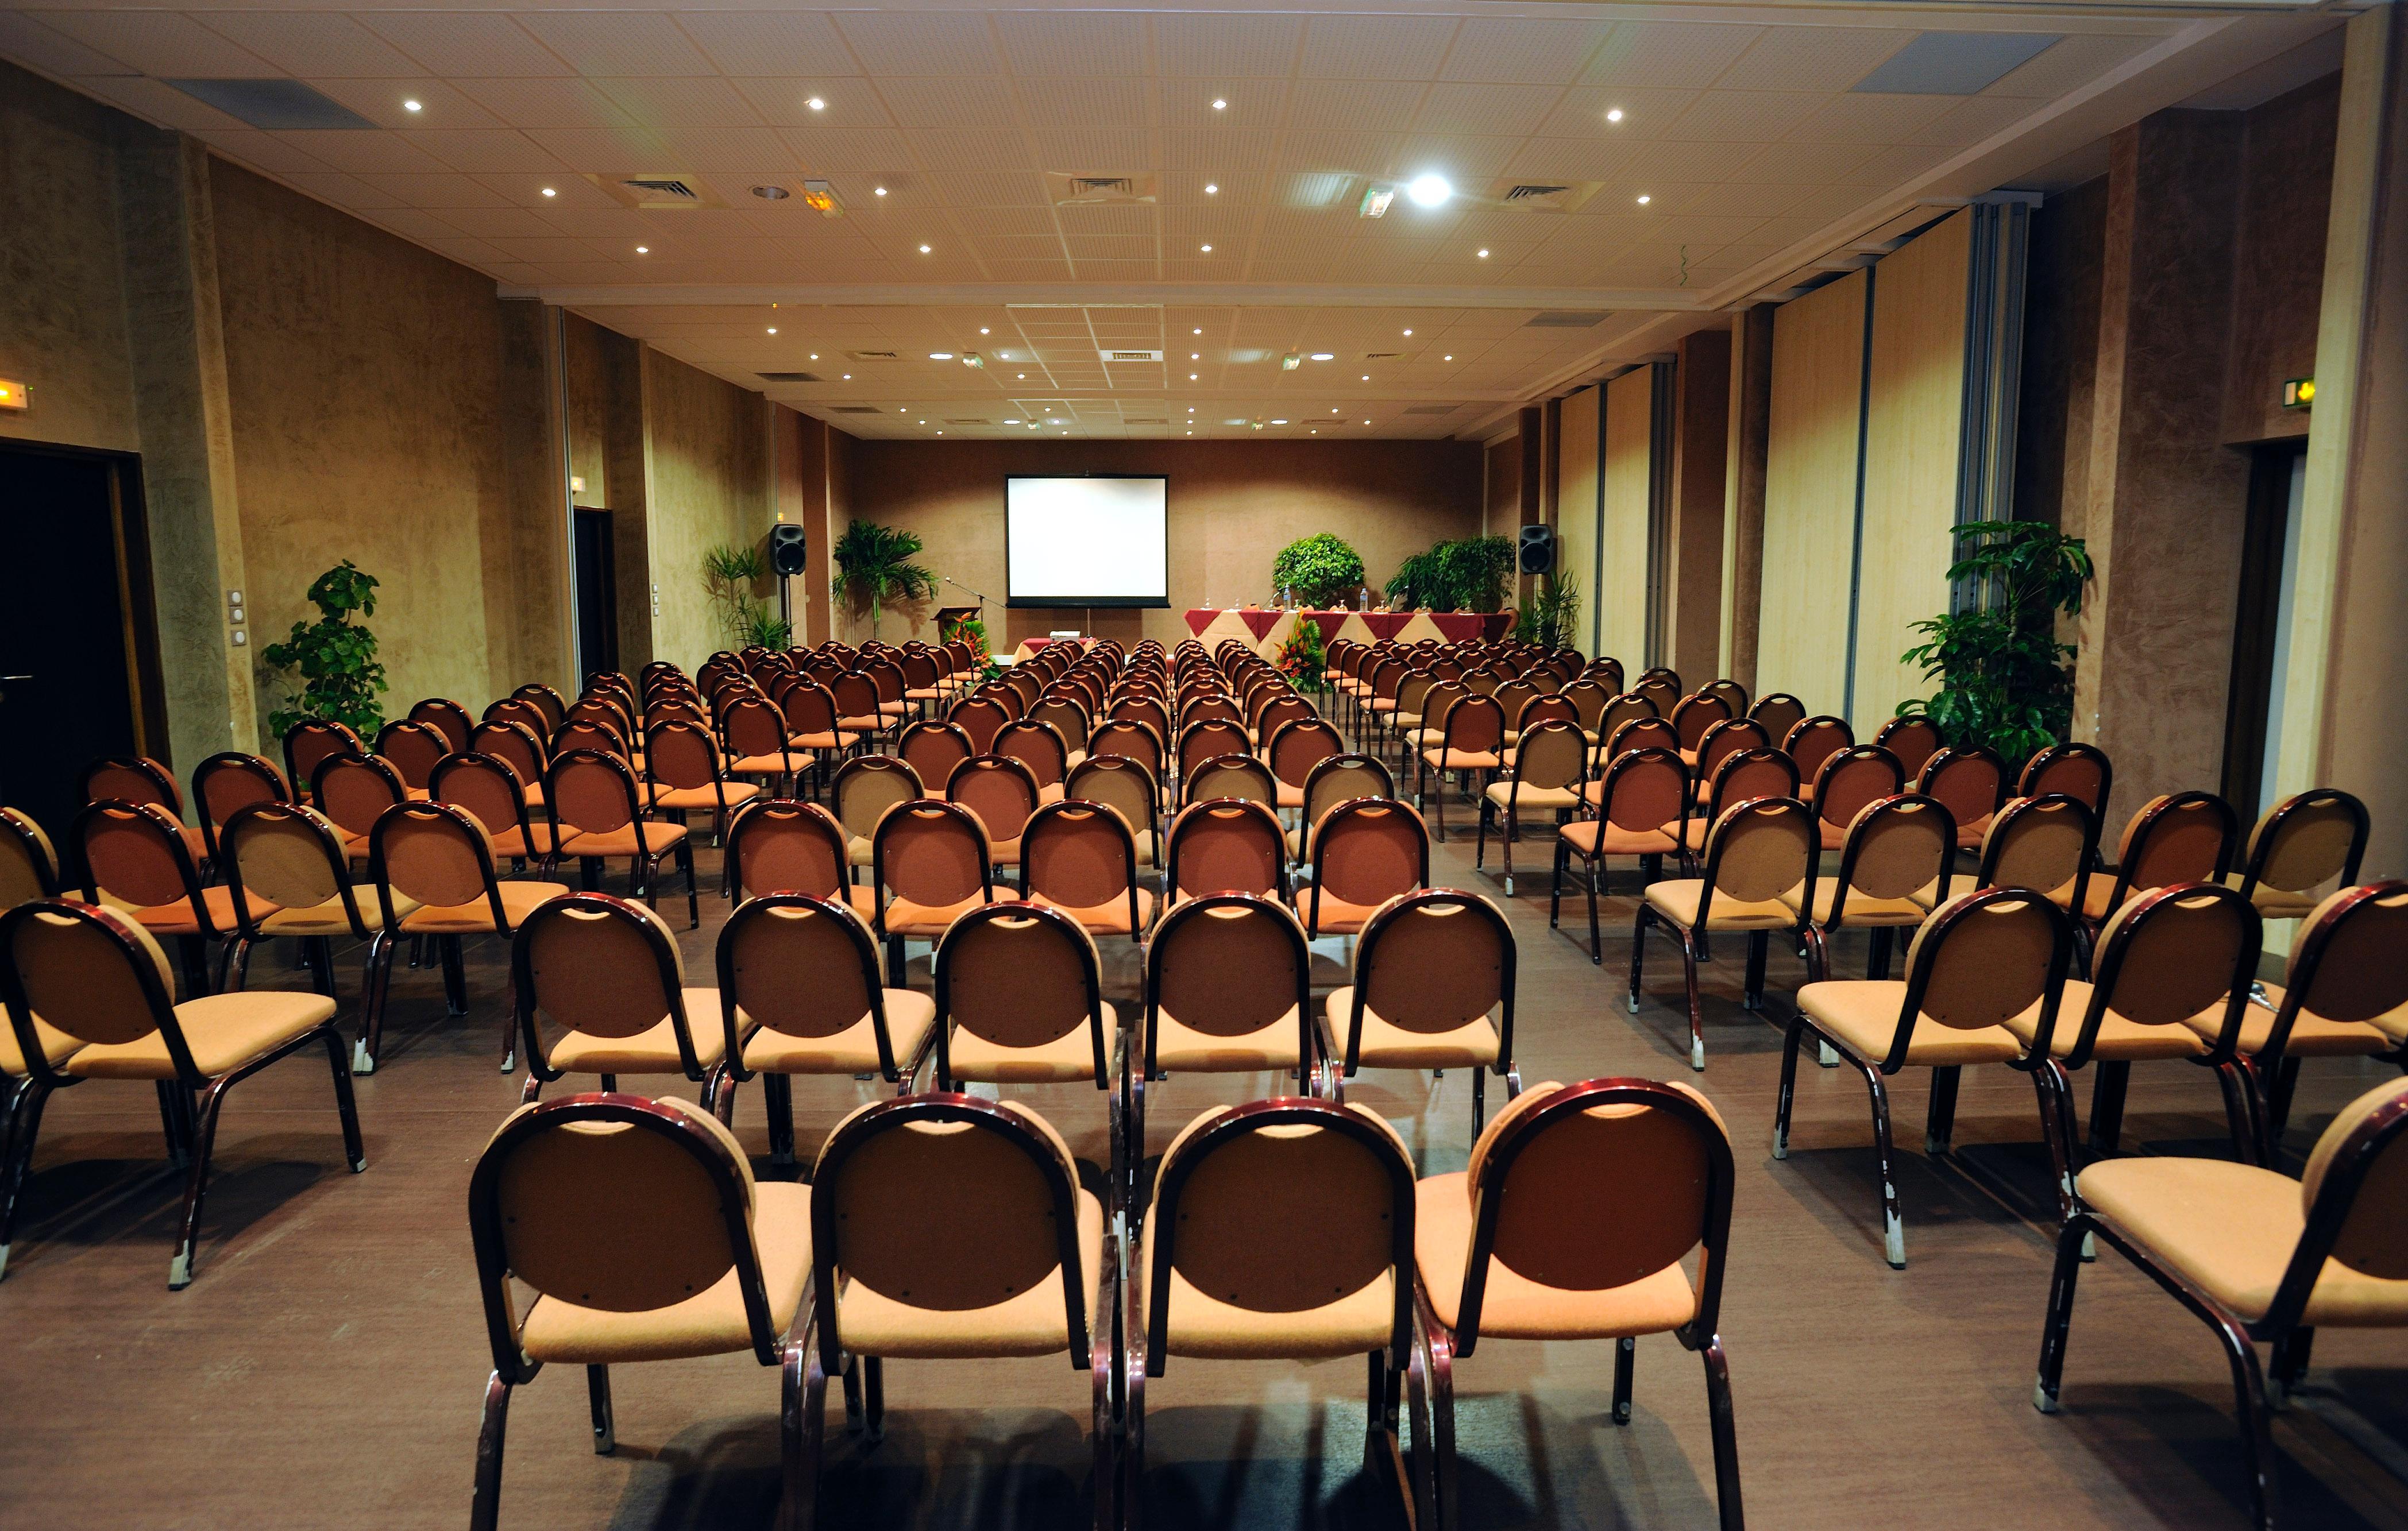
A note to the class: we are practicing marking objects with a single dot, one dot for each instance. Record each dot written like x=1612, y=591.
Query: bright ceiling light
x=1191, y=376
x=1429, y=190
x=983, y=331
x=643, y=250
x=411, y=106
x=549, y=191
x=1450, y=358
x=815, y=357
x=1211, y=189
x=941, y=355
x=1409, y=332
x=1207, y=249
x=924, y=249
x=773, y=329
x=1484, y=255
x=1020, y=375
x=1644, y=199
x=1218, y=104
x=1367, y=377
x=1613, y=115
x=1279, y=421
x=816, y=104
x=1195, y=332
x=1325, y=356
x=847, y=376
x=1195, y=355
x=880, y=190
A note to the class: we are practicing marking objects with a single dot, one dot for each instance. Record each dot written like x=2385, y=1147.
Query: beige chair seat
x=825, y=739
x=923, y=693
x=859, y=851
x=1863, y=908
x=1287, y=797
x=2120, y=1040
x=1067, y=1059
x=2231, y=1228
x=1179, y=1048
x=1533, y=799
x=1515, y=1306
x=703, y=800
x=1862, y=1014
x=1603, y=837
x=906, y=918
x=658, y=839
x=1107, y=918
x=56, y=1045
x=710, y=1323
x=1387, y=1045
x=1144, y=841
x=518, y=900
x=651, y=1050
x=2275, y=902
x=1970, y=836
x=2311, y=1036
x=1337, y=916
x=860, y=724
x=1050, y=792
x=223, y=1031
x=1031, y=1323
x=177, y=919
x=510, y=845
x=863, y=899
x=768, y=764
x=1462, y=760
x=329, y=917
x=891, y=709
x=909, y=1014
x=1357, y=1324
x=1677, y=901
x=1835, y=837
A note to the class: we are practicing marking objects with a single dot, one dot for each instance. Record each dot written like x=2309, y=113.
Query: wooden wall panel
x=1810, y=494
x=1576, y=507
x=1627, y=479
x=1914, y=427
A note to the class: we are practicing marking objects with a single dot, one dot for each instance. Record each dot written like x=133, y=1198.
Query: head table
x=1265, y=630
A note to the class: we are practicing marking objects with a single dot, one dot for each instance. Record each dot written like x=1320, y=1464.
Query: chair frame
x=665, y=955
x=1341, y=1063
x=1694, y=942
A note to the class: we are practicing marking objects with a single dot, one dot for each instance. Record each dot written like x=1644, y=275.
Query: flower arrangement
x=1302, y=656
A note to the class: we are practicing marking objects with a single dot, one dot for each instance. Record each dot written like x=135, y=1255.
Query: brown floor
x=326, y=1364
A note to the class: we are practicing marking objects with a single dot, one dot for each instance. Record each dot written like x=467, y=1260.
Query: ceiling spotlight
x=881, y=191
x=1325, y=356
x=815, y=357
x=1191, y=376
x=1409, y=332
x=411, y=106
x=1279, y=421
x=941, y=355
x=1484, y=255
x=1211, y=189
x=1450, y=358
x=1020, y=375
x=983, y=331
x=847, y=376
x=549, y=191
x=1218, y=104
x=1207, y=249
x=643, y=250
x=1195, y=355
x=816, y=104
x=772, y=193
x=924, y=249
x=1195, y=332
x=1644, y=199
x=1428, y=191
x=1367, y=377
x=1367, y=423
x=1613, y=115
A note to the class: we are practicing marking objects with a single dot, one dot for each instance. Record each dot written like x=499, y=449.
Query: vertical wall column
x=181, y=404
x=1693, y=582
x=1743, y=477
x=2343, y=725
x=2168, y=506
x=1577, y=505
x=1626, y=523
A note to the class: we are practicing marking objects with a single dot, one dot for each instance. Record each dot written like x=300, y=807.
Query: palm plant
x=874, y=568
x=2004, y=679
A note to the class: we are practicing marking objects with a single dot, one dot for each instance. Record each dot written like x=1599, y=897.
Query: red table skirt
x=1454, y=626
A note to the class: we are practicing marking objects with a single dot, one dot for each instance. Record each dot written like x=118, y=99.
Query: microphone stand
x=982, y=600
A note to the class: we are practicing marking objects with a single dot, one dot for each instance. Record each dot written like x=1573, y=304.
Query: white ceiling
x=1739, y=127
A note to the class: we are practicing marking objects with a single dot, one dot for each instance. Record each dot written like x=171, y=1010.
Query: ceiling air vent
x=1431, y=409
x=285, y=104
x=788, y=376
x=1381, y=355
x=1563, y=319
x=1072, y=191
x=1542, y=196
x=647, y=192
x=871, y=355
x=968, y=423
x=1147, y=421
x=857, y=410
x=1131, y=355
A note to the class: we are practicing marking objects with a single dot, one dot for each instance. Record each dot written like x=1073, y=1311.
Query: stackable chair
x=934, y=749
x=1472, y=741
x=779, y=845
x=29, y=869
x=1240, y=776
x=608, y=976
x=1847, y=781
x=1220, y=1274
x=1570, y=1223
x=1128, y=739
x=1020, y=1001
x=1779, y=713
x=948, y=1228
x=490, y=788
x=2302, y=843
x=2256, y=1255
x=598, y=815
x=1970, y=783
x=1128, y=787
x=1330, y=784
x=1759, y=875
x=865, y=787
x=2181, y=837
x=310, y=741
x=2081, y=771
x=1550, y=763
x=411, y=749
x=930, y=863
x=447, y=718
x=801, y=993
x=138, y=778
x=1912, y=739
x=1980, y=960
x=1365, y=851
x=1004, y=793
x=1642, y=812
x=225, y=782
x=88, y=997
x=134, y=856
x=353, y=791
x=643, y=1237
x=1430, y=967
x=1814, y=741
x=1080, y=858
x=683, y=776
x=1895, y=849
x=1225, y=847
x=1041, y=750
x=758, y=744
x=287, y=870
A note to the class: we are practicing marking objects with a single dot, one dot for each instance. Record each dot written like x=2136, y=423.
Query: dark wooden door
x=598, y=594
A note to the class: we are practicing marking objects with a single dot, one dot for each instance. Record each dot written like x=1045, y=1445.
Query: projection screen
x=1098, y=540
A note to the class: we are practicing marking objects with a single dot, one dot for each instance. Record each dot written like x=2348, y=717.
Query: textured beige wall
x=710, y=486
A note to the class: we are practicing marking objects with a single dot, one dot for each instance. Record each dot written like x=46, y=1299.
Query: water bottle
x=1363, y=597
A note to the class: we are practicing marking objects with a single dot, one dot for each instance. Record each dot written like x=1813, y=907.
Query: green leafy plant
x=1467, y=574
x=335, y=656
x=729, y=575
x=1318, y=570
x=874, y=568
x=1547, y=616
x=2005, y=680
x=767, y=629
x=1303, y=656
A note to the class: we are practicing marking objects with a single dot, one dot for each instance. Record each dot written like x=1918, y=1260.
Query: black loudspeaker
x=1538, y=549
x=786, y=548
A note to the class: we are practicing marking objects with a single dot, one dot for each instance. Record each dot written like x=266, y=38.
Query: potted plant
x=2005, y=680
x=340, y=675
x=874, y=568
x=1547, y=616
x=1320, y=570
x=729, y=575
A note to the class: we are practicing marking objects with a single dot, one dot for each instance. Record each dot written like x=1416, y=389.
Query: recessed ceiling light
x=772, y=193
x=1613, y=114
x=1314, y=431
x=1450, y=358
x=1367, y=377
x=411, y=106
x=1207, y=249
x=1195, y=355
x=1644, y=199
x=643, y=250
x=815, y=357
x=982, y=329
x=1409, y=332
x=1211, y=189
x=549, y=191
x=880, y=190
x=847, y=376
x=1195, y=332
x=1333, y=408
x=1191, y=376
x=816, y=104
x=1484, y=255
x=1325, y=356
x=1367, y=423
x=1218, y=104
x=1429, y=190
x=924, y=249
x=941, y=355
x=1279, y=421
x=773, y=329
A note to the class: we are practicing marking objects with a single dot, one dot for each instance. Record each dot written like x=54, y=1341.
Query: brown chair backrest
x=1080, y=857
x=1982, y=959
x=1779, y=713
x=2078, y=771
x=1298, y=745
x=1367, y=850
x=775, y=845
x=1036, y=746
x=932, y=853
x=411, y=749
x=514, y=745
x=1642, y=732
x=1896, y=846
x=1231, y=775
x=29, y=867
x=1228, y=964
x=2306, y=840
x=802, y=965
x=1120, y=783
x=2041, y=842
x=1969, y=778
x=868, y=786
x=280, y=855
x=311, y=741
x=355, y=790
x=1131, y=739
x=981, y=718
x=681, y=755
x=448, y=718
x=1852, y=777
x=1475, y=726
x=1761, y=849
x=593, y=792
x=933, y=749
x=603, y=967
x=1814, y=740
x=92, y=972
x=1646, y=789
x=1226, y=847
x=1020, y=975
x=2183, y=837
x=435, y=854
x=1001, y=790
x=131, y=778
x=1692, y=716
x=1434, y=961
x=134, y=853
x=1913, y=738
x=1208, y=738
x=484, y=787
x=2168, y=957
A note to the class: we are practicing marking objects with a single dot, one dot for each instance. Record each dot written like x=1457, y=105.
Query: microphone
x=958, y=585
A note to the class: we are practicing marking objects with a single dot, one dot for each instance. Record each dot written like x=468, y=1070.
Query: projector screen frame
x=1082, y=602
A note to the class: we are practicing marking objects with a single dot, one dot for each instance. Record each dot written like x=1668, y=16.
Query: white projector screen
x=1103, y=540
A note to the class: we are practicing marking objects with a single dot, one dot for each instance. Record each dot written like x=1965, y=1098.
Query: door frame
x=136, y=594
